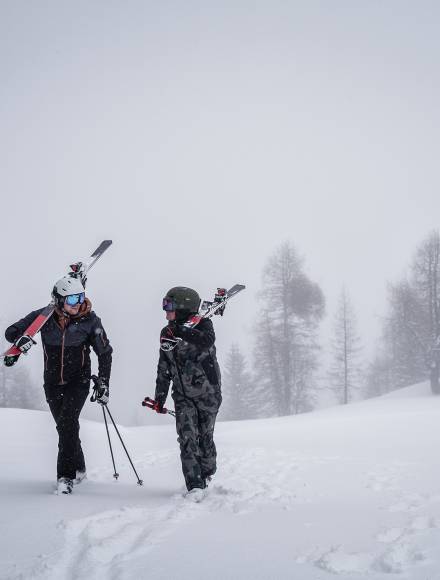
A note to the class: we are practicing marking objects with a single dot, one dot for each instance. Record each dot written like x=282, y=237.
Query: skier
x=194, y=371
x=66, y=339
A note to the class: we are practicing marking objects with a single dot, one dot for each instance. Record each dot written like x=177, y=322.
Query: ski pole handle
x=99, y=390
x=95, y=388
x=150, y=403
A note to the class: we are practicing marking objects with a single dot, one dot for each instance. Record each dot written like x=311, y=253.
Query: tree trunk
x=434, y=377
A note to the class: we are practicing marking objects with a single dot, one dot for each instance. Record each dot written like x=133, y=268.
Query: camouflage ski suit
x=193, y=368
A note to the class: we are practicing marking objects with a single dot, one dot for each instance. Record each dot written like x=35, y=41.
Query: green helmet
x=182, y=298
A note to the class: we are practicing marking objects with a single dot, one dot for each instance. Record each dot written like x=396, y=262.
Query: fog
x=198, y=136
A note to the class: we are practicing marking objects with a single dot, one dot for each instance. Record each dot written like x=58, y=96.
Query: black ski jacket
x=192, y=365
x=67, y=352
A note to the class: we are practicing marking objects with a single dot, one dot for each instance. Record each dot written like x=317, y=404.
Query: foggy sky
x=199, y=136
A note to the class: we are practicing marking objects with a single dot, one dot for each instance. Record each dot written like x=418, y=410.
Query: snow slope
x=352, y=492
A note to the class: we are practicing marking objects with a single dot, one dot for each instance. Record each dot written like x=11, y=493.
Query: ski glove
x=158, y=406
x=24, y=343
x=167, y=339
x=102, y=391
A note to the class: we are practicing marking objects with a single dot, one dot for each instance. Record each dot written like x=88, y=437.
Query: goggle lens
x=75, y=299
x=168, y=305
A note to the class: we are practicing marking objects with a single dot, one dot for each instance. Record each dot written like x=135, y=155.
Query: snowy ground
x=352, y=492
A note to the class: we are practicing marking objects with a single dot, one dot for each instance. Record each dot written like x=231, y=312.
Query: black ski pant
x=65, y=403
x=195, y=422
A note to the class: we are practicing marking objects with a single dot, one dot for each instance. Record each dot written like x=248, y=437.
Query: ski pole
x=139, y=481
x=93, y=398
x=150, y=403
x=115, y=474
x=105, y=408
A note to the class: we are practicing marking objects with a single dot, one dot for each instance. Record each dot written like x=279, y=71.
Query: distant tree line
x=286, y=350
x=286, y=373
x=410, y=344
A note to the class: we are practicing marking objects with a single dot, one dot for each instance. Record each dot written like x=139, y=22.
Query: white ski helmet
x=66, y=286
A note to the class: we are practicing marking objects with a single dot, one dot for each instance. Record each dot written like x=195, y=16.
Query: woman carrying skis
x=193, y=369
x=67, y=337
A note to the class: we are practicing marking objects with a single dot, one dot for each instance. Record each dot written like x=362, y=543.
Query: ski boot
x=64, y=485
x=196, y=494
x=208, y=479
x=80, y=475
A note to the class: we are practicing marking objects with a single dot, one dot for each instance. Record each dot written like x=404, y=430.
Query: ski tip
x=102, y=247
x=236, y=288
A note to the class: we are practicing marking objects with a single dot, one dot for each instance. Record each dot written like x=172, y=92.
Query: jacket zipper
x=62, y=359
x=45, y=358
x=82, y=359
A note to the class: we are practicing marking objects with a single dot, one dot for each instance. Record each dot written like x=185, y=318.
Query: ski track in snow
x=101, y=546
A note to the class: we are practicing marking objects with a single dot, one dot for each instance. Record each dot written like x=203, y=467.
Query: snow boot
x=64, y=485
x=196, y=494
x=80, y=475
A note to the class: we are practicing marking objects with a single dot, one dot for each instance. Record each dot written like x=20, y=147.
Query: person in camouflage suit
x=193, y=369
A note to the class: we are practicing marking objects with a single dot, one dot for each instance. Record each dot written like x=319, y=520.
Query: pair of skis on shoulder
x=77, y=270
x=207, y=310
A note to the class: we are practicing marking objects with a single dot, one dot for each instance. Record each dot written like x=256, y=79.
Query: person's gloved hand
x=102, y=391
x=167, y=338
x=158, y=406
x=24, y=343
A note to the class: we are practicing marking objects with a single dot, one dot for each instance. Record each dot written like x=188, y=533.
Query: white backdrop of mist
x=200, y=135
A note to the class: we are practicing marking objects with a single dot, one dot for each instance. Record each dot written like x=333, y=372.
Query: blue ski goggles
x=74, y=299
x=168, y=305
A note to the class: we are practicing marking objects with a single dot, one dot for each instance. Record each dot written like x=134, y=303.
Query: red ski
x=78, y=270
